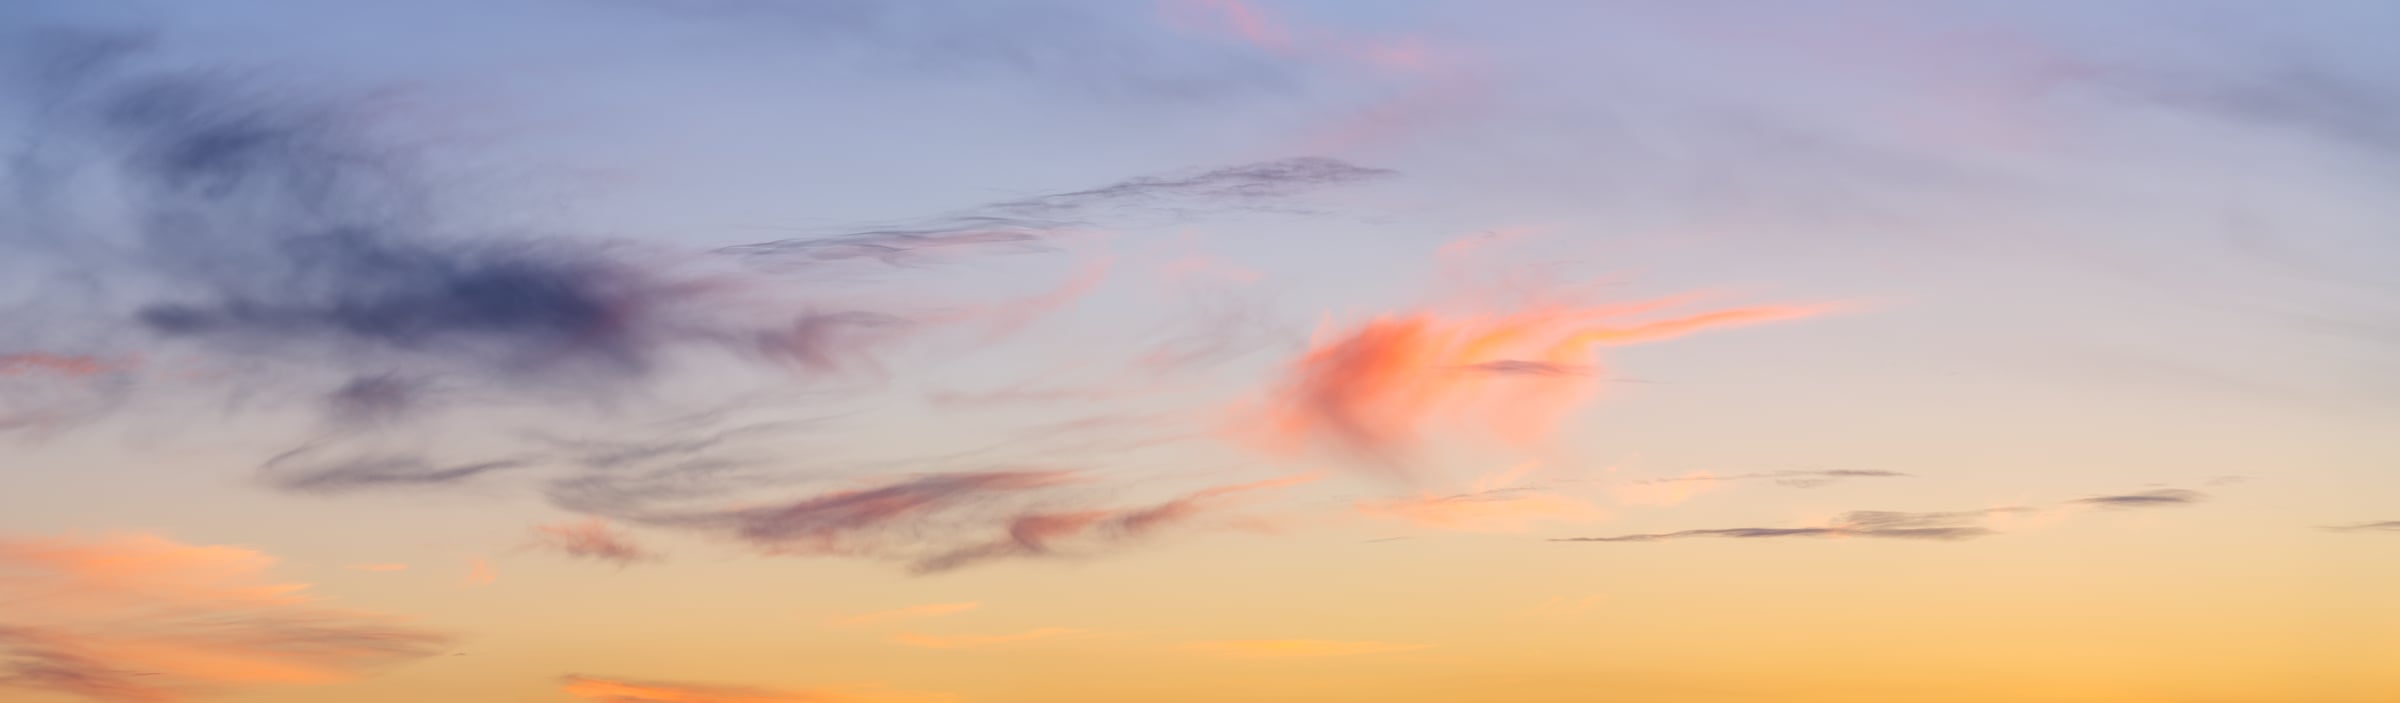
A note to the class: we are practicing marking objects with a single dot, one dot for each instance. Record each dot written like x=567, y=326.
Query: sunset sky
x=995, y=351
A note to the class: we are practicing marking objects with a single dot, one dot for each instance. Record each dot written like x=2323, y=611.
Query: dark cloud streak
x=2165, y=497
x=1870, y=524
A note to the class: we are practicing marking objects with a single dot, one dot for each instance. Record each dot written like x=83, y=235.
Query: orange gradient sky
x=1064, y=351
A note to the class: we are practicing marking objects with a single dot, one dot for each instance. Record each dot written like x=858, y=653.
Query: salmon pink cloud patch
x=1376, y=389
x=139, y=618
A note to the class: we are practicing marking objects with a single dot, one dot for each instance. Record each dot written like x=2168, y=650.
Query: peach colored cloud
x=378, y=567
x=138, y=618
x=602, y=690
x=1376, y=389
x=1667, y=492
x=971, y=641
x=479, y=572
x=913, y=612
x=1495, y=503
x=590, y=539
x=1496, y=511
x=1299, y=648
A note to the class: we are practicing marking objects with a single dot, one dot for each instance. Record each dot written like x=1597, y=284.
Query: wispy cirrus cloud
x=1495, y=503
x=591, y=539
x=137, y=618
x=2164, y=497
x=1058, y=533
x=939, y=522
x=386, y=567
x=611, y=690
x=1938, y=526
x=2384, y=526
x=1503, y=510
x=1036, y=223
x=1866, y=523
x=1273, y=649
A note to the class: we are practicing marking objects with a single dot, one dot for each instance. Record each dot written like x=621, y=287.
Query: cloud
x=479, y=572
x=1670, y=491
x=972, y=641
x=56, y=364
x=1494, y=503
x=944, y=521
x=928, y=610
x=2384, y=526
x=1031, y=224
x=307, y=470
x=389, y=567
x=137, y=618
x=2164, y=497
x=591, y=539
x=605, y=690
x=1507, y=510
x=1299, y=648
x=863, y=520
x=1874, y=524
x=47, y=391
x=277, y=237
x=1372, y=391
x=1050, y=533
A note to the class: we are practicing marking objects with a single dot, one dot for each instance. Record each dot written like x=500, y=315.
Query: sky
x=1000, y=351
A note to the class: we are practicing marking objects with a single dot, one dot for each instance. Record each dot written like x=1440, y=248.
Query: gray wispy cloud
x=1940, y=526
x=1030, y=224
x=2164, y=497
x=2384, y=526
x=330, y=469
x=1950, y=526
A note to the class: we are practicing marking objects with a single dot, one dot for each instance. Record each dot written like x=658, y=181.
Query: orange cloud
x=970, y=641
x=600, y=690
x=378, y=567
x=1373, y=390
x=1299, y=648
x=479, y=572
x=1483, y=512
x=909, y=613
x=143, y=619
x=590, y=539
